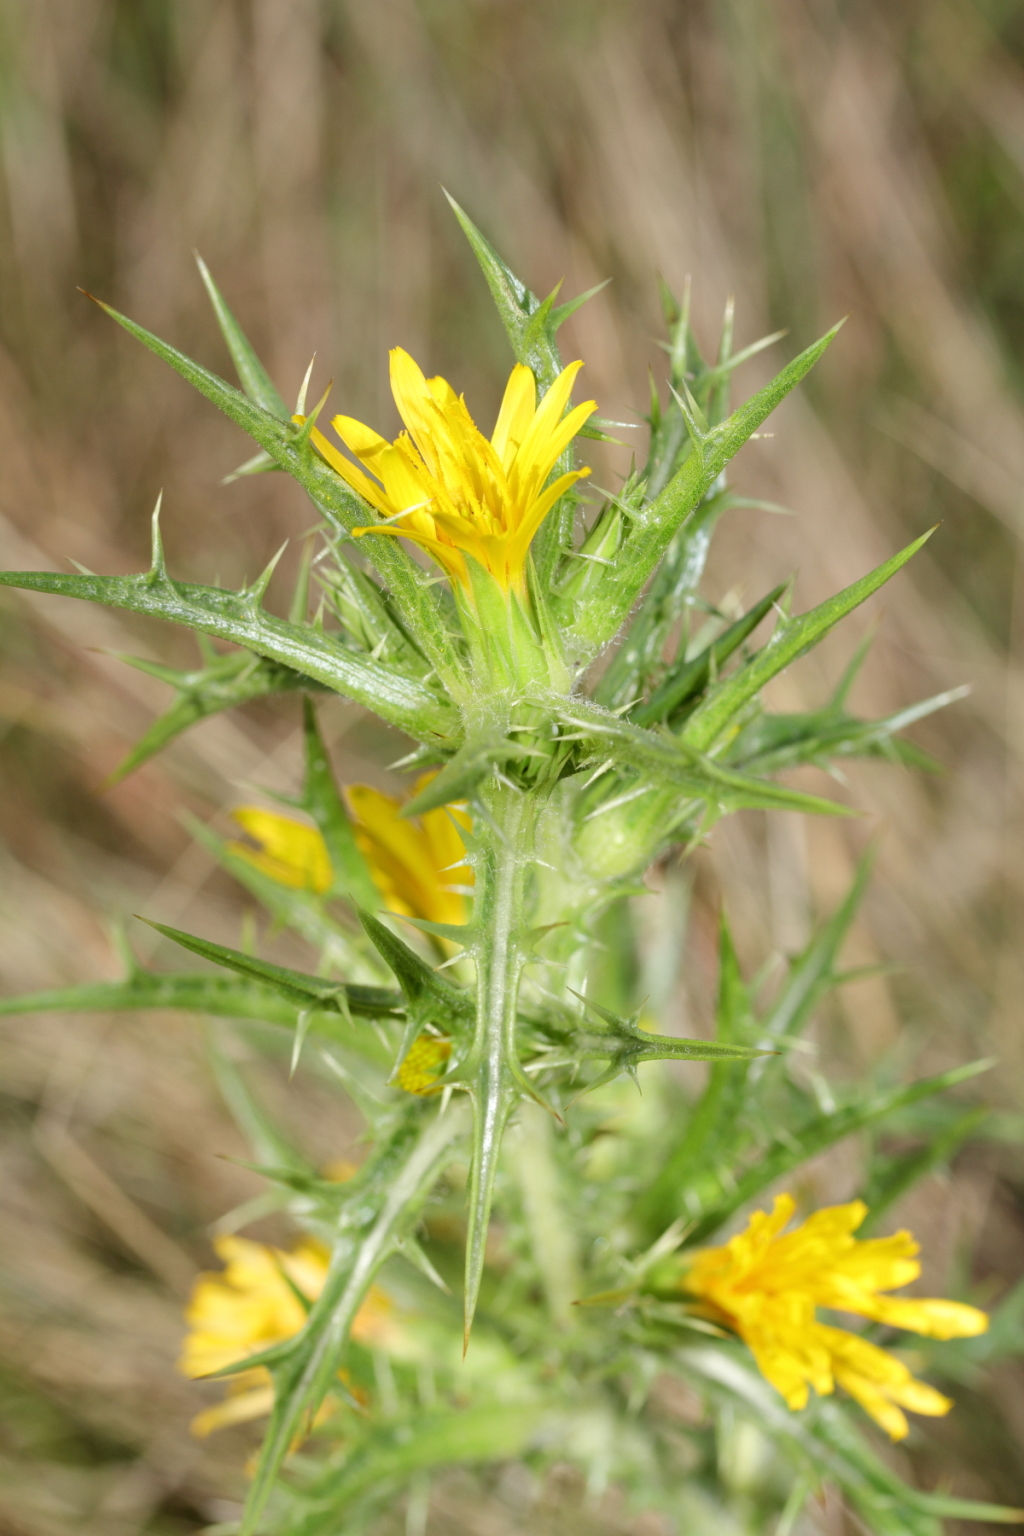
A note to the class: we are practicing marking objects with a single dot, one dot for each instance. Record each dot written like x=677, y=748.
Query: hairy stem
x=493, y=1065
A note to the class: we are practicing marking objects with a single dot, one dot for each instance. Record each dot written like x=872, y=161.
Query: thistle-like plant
x=571, y=723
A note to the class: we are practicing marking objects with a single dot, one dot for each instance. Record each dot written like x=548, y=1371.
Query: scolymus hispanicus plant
x=575, y=713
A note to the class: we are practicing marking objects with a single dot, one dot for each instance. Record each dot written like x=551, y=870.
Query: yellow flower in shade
x=765, y=1285
x=423, y=1064
x=412, y=859
x=251, y=1305
x=448, y=488
x=289, y=851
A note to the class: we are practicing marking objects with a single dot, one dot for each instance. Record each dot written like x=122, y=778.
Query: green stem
x=492, y=1068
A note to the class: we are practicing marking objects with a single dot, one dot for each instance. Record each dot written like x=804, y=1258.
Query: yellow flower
x=252, y=1305
x=289, y=851
x=423, y=1065
x=766, y=1286
x=450, y=490
x=411, y=859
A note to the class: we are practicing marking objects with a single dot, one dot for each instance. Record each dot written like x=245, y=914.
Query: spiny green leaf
x=689, y=678
x=791, y=640
x=672, y=587
x=366, y=614
x=220, y=997
x=803, y=1142
x=666, y=758
x=429, y=997
x=461, y=775
x=626, y=1046
x=297, y=987
x=192, y=992
x=229, y=681
x=531, y=325
x=495, y=1095
x=532, y=344
x=772, y=742
x=401, y=701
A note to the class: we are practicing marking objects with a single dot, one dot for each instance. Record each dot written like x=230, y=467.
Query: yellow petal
x=233, y=1410
x=876, y=1403
x=547, y=419
x=766, y=1283
x=408, y=859
x=290, y=852
x=936, y=1319
x=249, y=1304
x=530, y=470
x=407, y=483
x=450, y=560
x=919, y=1397
x=349, y=472
x=441, y=392
x=416, y=404
x=517, y=410
x=363, y=441
x=538, y=511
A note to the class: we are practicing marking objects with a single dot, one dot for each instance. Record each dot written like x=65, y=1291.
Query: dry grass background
x=812, y=157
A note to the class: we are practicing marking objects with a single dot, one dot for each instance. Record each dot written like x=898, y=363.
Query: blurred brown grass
x=811, y=157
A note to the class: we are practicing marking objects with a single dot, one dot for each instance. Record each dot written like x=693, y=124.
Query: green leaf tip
x=252, y=375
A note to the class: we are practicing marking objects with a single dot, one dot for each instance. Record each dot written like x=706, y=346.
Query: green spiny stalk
x=491, y=1070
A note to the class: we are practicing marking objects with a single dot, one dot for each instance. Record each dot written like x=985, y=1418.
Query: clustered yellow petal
x=253, y=1304
x=765, y=1285
x=442, y=484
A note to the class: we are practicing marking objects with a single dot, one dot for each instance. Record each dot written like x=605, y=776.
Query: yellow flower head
x=251, y=1305
x=766, y=1285
x=450, y=490
x=289, y=851
x=411, y=859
